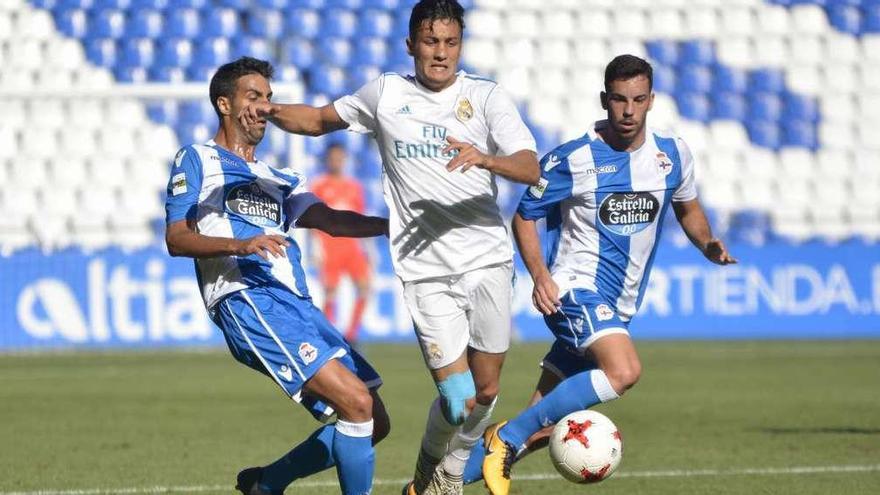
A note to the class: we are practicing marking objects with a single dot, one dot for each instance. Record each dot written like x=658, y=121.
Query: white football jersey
x=442, y=223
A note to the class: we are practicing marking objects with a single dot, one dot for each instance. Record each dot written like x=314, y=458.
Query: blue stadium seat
x=199, y=72
x=266, y=23
x=137, y=52
x=696, y=52
x=664, y=52
x=251, y=47
x=766, y=80
x=799, y=133
x=366, y=164
x=764, y=133
x=845, y=18
x=74, y=4
x=729, y=79
x=871, y=20
x=765, y=106
x=194, y=133
x=287, y=73
x=664, y=79
x=389, y=5
x=338, y=23
x=304, y=23
x=299, y=52
x=149, y=4
x=370, y=51
x=400, y=29
x=694, y=79
x=693, y=106
x=183, y=23
x=167, y=74
x=163, y=111
x=212, y=52
x=273, y=4
x=195, y=111
x=306, y=4
x=146, y=23
x=375, y=23
x=328, y=80
x=750, y=227
x=728, y=106
x=343, y=4
x=102, y=51
x=221, y=22
x=799, y=107
x=175, y=52
x=335, y=51
x=72, y=22
x=193, y=4
x=359, y=75
x=239, y=5
x=108, y=24
x=98, y=5
x=399, y=58
x=131, y=74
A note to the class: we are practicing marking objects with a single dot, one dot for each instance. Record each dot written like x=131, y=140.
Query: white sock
x=464, y=440
x=438, y=431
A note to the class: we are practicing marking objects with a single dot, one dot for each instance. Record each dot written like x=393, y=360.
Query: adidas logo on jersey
x=404, y=110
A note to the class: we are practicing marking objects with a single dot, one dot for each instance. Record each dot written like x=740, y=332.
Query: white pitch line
x=670, y=473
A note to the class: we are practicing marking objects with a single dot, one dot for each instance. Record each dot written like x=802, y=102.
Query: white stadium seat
x=771, y=51
x=809, y=19
x=665, y=23
x=804, y=79
x=596, y=23
x=804, y=49
x=487, y=23
x=516, y=81
x=737, y=21
x=522, y=24
x=774, y=19
x=484, y=53
x=67, y=171
x=559, y=24
x=629, y=24
x=737, y=52
x=519, y=53
x=555, y=52
x=700, y=22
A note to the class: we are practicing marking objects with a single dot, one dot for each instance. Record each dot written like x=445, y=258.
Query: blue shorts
x=287, y=338
x=583, y=318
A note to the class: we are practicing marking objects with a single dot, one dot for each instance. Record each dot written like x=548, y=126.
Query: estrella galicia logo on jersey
x=251, y=202
x=307, y=353
x=628, y=213
x=664, y=164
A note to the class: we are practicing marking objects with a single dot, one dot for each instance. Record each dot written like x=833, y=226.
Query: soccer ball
x=585, y=447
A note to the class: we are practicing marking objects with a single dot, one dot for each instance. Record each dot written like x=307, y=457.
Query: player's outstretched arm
x=545, y=295
x=294, y=118
x=342, y=223
x=521, y=166
x=693, y=221
x=182, y=240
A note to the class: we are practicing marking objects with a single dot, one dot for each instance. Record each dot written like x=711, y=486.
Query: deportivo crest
x=307, y=353
x=664, y=164
x=464, y=111
x=604, y=313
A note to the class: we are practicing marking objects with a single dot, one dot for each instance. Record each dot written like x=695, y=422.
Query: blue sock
x=473, y=470
x=312, y=456
x=355, y=458
x=576, y=392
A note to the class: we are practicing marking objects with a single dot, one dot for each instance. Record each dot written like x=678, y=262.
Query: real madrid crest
x=464, y=111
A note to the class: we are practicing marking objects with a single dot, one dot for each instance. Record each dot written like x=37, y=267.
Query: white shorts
x=459, y=311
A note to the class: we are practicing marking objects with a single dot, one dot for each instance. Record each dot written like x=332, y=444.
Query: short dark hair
x=223, y=81
x=625, y=67
x=433, y=10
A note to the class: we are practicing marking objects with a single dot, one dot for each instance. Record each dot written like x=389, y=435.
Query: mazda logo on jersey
x=628, y=213
x=253, y=203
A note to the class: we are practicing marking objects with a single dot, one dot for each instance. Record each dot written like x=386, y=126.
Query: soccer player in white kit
x=444, y=136
x=604, y=197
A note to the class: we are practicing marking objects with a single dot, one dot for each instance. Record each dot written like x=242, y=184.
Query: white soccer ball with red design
x=586, y=447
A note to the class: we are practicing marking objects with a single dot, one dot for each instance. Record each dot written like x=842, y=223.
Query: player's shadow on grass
x=822, y=429
x=433, y=219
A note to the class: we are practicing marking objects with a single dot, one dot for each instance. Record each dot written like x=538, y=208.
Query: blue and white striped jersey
x=604, y=211
x=228, y=197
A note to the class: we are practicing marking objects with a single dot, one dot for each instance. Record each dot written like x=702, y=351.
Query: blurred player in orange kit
x=340, y=255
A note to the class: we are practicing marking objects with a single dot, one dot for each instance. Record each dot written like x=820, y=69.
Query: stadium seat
x=871, y=21
x=221, y=22
x=131, y=74
x=299, y=52
x=800, y=134
x=108, y=24
x=370, y=51
x=554, y=52
x=694, y=79
x=329, y=80
x=809, y=19
x=137, y=52
x=68, y=172
x=304, y=23
x=774, y=20
x=182, y=23
x=696, y=52
x=558, y=24
x=765, y=133
x=694, y=106
x=665, y=23
x=751, y=226
x=146, y=23
x=764, y=106
x=266, y=23
x=335, y=51
x=700, y=22
x=195, y=111
x=728, y=106
x=521, y=24
x=71, y=22
x=772, y=51
x=840, y=77
x=663, y=52
x=375, y=23
x=102, y=52
x=77, y=142
x=252, y=47
x=736, y=52
x=167, y=74
x=175, y=52
x=361, y=74
x=338, y=23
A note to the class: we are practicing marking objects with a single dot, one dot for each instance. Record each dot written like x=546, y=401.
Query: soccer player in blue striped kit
x=603, y=196
x=233, y=214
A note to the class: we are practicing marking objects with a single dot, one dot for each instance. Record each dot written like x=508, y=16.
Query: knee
x=623, y=377
x=358, y=406
x=455, y=391
x=487, y=393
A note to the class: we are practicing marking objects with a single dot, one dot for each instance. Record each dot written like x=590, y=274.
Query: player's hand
x=265, y=245
x=545, y=295
x=467, y=156
x=716, y=252
x=256, y=112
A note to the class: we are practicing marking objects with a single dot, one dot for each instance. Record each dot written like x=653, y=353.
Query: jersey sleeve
x=556, y=185
x=297, y=202
x=687, y=189
x=506, y=127
x=359, y=109
x=184, y=186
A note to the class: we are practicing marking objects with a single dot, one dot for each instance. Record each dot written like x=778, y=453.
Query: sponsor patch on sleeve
x=538, y=189
x=178, y=184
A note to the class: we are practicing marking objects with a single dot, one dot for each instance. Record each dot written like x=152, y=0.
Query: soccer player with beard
x=444, y=136
x=232, y=214
x=604, y=197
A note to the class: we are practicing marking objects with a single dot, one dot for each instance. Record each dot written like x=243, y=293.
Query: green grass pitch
x=706, y=418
